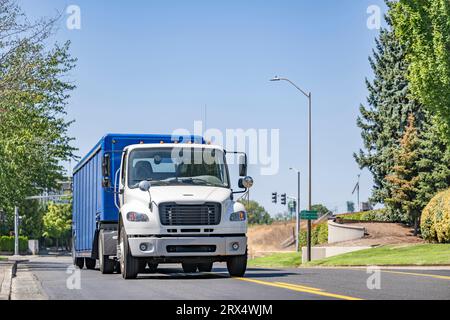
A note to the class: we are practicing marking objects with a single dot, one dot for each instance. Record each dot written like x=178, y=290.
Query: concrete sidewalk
x=6, y=270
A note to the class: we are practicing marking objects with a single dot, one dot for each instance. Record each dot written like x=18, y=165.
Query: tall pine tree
x=405, y=179
x=383, y=122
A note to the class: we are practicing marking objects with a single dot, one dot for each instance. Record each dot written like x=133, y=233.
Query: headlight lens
x=137, y=217
x=238, y=216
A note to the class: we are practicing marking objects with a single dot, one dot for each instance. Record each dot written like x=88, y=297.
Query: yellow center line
x=436, y=276
x=299, y=288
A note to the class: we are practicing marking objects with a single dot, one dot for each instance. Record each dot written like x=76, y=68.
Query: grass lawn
x=2, y=258
x=419, y=254
x=277, y=260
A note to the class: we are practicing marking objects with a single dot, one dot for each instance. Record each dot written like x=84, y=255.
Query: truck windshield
x=177, y=166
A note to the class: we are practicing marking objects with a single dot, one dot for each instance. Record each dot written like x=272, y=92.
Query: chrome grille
x=172, y=214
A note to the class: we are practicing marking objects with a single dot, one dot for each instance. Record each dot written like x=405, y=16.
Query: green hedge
x=7, y=244
x=319, y=235
x=380, y=215
x=435, y=220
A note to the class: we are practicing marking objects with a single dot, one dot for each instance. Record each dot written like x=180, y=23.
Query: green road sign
x=309, y=215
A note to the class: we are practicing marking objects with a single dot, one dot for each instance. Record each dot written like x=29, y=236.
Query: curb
x=5, y=289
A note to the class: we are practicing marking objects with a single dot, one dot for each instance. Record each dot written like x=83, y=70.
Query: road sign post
x=309, y=215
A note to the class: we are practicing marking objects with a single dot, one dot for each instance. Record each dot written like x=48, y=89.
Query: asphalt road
x=170, y=283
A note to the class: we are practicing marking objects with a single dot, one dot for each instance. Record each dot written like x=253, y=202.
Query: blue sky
x=152, y=66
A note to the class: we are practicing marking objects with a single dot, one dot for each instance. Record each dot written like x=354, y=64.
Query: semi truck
x=143, y=200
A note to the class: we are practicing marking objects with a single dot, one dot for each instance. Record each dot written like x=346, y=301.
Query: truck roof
x=123, y=140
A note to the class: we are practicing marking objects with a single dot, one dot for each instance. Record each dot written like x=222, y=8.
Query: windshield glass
x=177, y=166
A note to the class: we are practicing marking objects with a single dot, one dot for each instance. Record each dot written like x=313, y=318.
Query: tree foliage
x=423, y=26
x=383, y=122
x=404, y=179
x=34, y=90
x=256, y=213
x=383, y=125
x=58, y=221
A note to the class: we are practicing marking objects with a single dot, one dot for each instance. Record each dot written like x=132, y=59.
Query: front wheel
x=237, y=265
x=106, y=264
x=129, y=266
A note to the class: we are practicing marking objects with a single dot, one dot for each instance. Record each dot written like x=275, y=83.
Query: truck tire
x=237, y=265
x=189, y=267
x=142, y=265
x=79, y=262
x=90, y=263
x=205, y=267
x=153, y=267
x=129, y=265
x=106, y=264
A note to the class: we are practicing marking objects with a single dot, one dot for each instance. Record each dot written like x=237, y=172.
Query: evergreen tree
x=383, y=122
x=405, y=179
x=383, y=125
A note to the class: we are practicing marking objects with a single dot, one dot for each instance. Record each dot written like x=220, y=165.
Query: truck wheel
x=153, y=267
x=189, y=267
x=129, y=265
x=237, y=265
x=142, y=265
x=79, y=262
x=106, y=265
x=205, y=267
x=90, y=263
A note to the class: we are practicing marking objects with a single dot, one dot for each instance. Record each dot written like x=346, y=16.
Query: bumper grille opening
x=172, y=214
x=190, y=249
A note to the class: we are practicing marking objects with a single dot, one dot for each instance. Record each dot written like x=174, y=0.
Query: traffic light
x=274, y=197
x=283, y=199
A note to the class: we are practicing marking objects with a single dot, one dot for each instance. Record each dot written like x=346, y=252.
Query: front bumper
x=160, y=247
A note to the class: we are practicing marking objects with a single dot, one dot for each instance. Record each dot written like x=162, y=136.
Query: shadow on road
x=217, y=273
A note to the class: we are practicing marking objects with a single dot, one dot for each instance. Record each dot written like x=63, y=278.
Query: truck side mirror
x=243, y=165
x=144, y=185
x=106, y=165
x=246, y=182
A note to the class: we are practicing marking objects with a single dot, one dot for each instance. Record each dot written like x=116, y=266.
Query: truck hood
x=189, y=194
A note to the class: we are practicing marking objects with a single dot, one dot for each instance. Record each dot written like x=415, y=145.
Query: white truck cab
x=176, y=205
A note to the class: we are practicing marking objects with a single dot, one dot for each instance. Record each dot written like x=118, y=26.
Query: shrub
x=435, y=220
x=319, y=235
x=380, y=215
x=7, y=244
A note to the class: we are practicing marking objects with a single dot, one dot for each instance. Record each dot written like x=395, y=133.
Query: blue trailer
x=93, y=189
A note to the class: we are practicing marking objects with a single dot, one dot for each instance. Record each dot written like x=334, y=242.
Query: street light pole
x=309, y=96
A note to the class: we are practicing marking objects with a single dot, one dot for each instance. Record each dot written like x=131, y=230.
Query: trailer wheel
x=237, y=265
x=90, y=263
x=79, y=262
x=205, y=267
x=189, y=267
x=106, y=264
x=129, y=265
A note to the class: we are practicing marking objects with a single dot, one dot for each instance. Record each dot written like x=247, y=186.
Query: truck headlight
x=238, y=216
x=137, y=217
